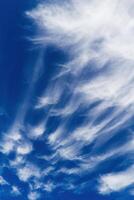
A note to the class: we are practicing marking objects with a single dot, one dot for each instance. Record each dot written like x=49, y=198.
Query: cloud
x=36, y=131
x=24, y=148
x=46, y=100
x=55, y=137
x=3, y=181
x=15, y=190
x=85, y=25
x=33, y=195
x=117, y=181
x=47, y=171
x=26, y=172
x=19, y=160
x=98, y=32
x=14, y=141
x=94, y=36
x=69, y=171
x=7, y=146
x=49, y=186
x=96, y=80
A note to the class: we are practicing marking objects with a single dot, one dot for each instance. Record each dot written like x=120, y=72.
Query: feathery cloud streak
x=98, y=38
x=91, y=95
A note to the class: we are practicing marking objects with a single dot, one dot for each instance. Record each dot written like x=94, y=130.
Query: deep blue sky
x=35, y=91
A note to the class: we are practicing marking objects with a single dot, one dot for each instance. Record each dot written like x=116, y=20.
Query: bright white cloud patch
x=24, y=148
x=97, y=28
x=114, y=182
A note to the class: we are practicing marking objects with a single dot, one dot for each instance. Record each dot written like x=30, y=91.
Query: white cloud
x=114, y=182
x=49, y=186
x=69, y=145
x=33, y=196
x=14, y=141
x=18, y=161
x=70, y=152
x=46, y=99
x=6, y=146
x=99, y=30
x=100, y=38
x=106, y=24
x=71, y=106
x=112, y=86
x=37, y=131
x=86, y=133
x=28, y=171
x=3, y=181
x=69, y=171
x=24, y=148
x=47, y=171
x=15, y=190
x=55, y=137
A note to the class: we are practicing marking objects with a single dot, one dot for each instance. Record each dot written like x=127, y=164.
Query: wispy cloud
x=15, y=191
x=117, y=181
x=91, y=95
x=97, y=37
x=92, y=37
x=26, y=172
x=49, y=186
x=3, y=181
x=37, y=131
x=33, y=195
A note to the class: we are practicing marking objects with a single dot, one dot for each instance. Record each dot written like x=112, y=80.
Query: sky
x=66, y=100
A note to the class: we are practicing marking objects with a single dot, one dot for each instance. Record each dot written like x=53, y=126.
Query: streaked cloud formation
x=116, y=181
x=91, y=95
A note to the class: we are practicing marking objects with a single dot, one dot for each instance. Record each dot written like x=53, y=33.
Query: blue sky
x=66, y=100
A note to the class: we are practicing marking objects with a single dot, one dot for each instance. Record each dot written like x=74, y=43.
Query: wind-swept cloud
x=86, y=101
x=117, y=181
x=98, y=32
x=97, y=37
x=96, y=28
